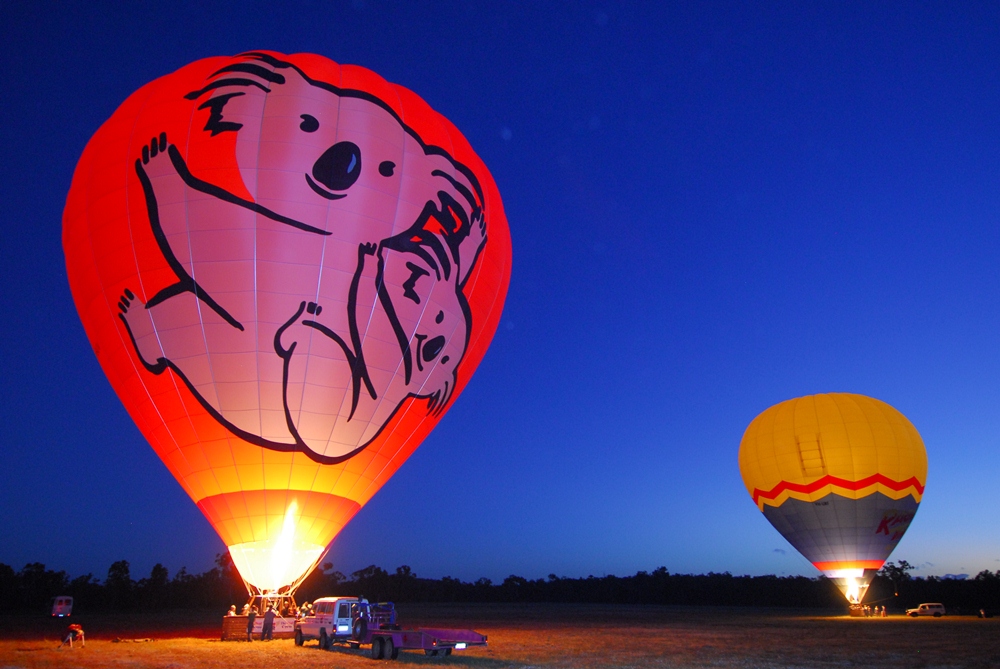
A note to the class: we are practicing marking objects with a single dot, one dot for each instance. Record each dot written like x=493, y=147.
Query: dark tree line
x=658, y=587
x=33, y=588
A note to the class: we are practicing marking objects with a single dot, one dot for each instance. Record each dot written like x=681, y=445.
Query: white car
x=936, y=610
x=62, y=606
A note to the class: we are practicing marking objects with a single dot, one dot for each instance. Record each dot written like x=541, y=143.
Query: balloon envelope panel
x=838, y=532
x=840, y=476
x=288, y=269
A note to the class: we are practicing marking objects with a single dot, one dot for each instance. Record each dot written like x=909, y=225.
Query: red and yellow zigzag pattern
x=821, y=487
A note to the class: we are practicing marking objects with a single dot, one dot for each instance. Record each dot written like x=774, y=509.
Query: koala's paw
x=472, y=245
x=477, y=230
x=156, y=146
x=141, y=330
x=155, y=161
x=125, y=301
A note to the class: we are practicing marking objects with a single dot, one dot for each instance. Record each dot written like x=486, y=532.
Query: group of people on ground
x=286, y=611
x=874, y=612
x=289, y=610
x=267, y=629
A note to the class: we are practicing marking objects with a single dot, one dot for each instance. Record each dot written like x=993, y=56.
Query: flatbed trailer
x=354, y=622
x=386, y=644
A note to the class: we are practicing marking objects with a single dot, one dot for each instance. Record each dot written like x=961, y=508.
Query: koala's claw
x=156, y=145
x=125, y=301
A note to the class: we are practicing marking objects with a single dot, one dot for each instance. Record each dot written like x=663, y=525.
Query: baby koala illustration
x=307, y=309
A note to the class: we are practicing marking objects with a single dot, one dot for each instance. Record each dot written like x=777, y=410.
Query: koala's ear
x=235, y=90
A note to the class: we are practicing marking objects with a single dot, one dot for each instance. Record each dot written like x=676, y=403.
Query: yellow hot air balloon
x=840, y=476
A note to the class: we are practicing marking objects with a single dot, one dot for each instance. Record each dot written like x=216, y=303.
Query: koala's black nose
x=339, y=166
x=433, y=348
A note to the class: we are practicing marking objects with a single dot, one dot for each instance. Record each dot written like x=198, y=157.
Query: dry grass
x=540, y=636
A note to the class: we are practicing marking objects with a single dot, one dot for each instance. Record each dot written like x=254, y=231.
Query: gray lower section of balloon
x=840, y=529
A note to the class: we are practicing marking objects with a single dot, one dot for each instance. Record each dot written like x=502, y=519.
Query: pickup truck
x=936, y=610
x=355, y=622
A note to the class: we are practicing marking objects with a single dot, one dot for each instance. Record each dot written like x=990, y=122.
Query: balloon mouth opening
x=270, y=569
x=853, y=583
x=279, y=563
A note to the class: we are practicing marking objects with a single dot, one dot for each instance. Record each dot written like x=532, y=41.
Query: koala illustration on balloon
x=304, y=310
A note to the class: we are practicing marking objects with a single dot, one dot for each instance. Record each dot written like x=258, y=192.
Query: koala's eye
x=386, y=167
x=309, y=123
x=339, y=166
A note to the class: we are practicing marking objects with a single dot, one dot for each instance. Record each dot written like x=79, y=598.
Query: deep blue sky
x=713, y=209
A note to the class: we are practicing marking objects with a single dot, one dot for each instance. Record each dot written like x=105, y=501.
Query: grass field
x=587, y=636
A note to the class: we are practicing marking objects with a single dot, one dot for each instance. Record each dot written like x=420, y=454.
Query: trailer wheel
x=324, y=642
x=446, y=651
x=430, y=653
x=298, y=638
x=377, y=648
x=390, y=652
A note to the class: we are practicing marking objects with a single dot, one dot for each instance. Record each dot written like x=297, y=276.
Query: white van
x=62, y=606
x=936, y=610
x=331, y=621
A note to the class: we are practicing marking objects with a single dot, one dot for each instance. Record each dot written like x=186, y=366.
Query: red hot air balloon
x=288, y=270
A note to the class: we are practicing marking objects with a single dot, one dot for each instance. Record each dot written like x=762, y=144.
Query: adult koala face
x=336, y=160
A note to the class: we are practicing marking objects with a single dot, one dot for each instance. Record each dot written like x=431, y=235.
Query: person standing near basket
x=267, y=630
x=252, y=616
